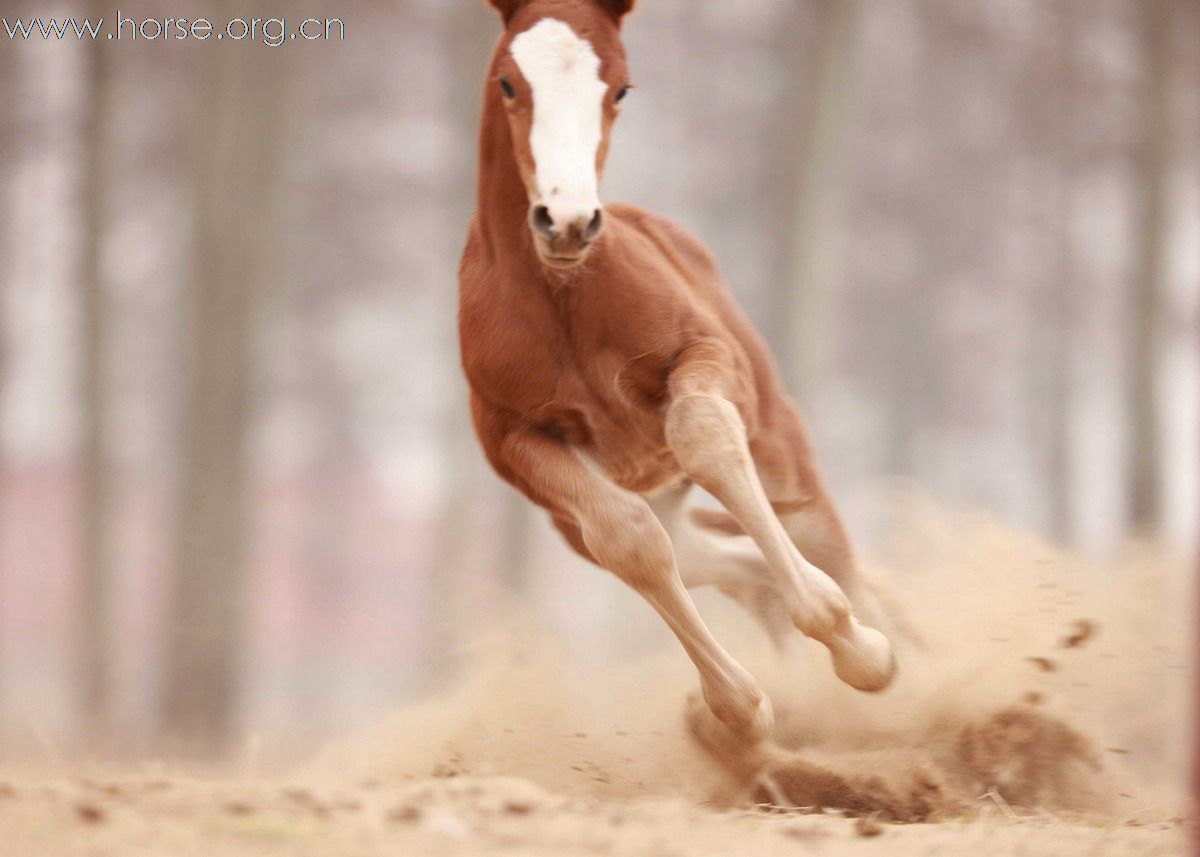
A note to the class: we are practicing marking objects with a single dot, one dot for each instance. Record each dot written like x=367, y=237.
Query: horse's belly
x=634, y=456
x=620, y=430
x=642, y=475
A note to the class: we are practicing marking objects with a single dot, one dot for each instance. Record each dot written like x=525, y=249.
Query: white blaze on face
x=564, y=73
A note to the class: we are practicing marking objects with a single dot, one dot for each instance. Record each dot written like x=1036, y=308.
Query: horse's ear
x=618, y=8
x=506, y=8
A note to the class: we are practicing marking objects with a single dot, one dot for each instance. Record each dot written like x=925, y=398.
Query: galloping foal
x=610, y=370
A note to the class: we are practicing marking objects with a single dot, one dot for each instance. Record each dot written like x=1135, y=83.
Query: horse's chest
x=605, y=394
x=613, y=407
x=597, y=392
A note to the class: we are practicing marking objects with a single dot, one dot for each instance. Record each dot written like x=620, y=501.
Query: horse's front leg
x=708, y=438
x=621, y=533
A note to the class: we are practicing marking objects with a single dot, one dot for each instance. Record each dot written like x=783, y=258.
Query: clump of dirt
x=1018, y=757
x=1029, y=759
x=920, y=795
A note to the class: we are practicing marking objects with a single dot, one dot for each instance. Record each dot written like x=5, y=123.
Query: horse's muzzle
x=563, y=238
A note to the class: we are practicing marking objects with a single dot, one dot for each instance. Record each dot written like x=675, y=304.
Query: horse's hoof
x=725, y=739
x=863, y=658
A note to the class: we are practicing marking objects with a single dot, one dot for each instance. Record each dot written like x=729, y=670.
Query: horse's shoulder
x=668, y=236
x=704, y=283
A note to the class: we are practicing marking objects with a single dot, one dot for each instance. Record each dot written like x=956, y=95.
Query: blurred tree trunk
x=785, y=156
x=1189, y=38
x=1145, y=488
x=329, y=507
x=10, y=139
x=818, y=142
x=911, y=369
x=96, y=621
x=329, y=518
x=9, y=135
x=518, y=534
x=1051, y=317
x=237, y=162
x=1060, y=320
x=470, y=31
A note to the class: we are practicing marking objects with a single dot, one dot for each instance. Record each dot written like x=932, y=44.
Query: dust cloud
x=1033, y=681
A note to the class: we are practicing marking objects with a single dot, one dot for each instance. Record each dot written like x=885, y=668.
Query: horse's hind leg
x=731, y=563
x=785, y=464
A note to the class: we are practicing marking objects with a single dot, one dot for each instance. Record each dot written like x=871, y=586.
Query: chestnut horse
x=610, y=369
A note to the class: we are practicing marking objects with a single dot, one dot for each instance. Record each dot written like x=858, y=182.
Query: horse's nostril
x=594, y=227
x=541, y=221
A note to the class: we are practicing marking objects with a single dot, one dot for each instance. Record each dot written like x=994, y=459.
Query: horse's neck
x=500, y=193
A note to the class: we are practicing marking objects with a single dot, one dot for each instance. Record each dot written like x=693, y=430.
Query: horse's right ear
x=506, y=8
x=618, y=8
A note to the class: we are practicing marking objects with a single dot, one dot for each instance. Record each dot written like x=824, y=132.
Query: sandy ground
x=137, y=816
x=1042, y=709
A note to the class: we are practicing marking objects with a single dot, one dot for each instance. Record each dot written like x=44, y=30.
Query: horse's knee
x=707, y=436
x=571, y=531
x=629, y=541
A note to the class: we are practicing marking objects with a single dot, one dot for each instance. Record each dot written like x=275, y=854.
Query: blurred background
x=240, y=492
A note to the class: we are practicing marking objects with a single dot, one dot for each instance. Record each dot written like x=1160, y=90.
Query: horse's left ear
x=506, y=8
x=618, y=8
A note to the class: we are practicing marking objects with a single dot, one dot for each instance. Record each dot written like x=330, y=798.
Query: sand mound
x=1040, y=682
x=1018, y=757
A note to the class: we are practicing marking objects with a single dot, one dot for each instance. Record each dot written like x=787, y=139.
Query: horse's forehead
x=550, y=48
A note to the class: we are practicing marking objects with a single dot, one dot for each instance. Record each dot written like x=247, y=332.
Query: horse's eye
x=507, y=88
x=622, y=92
